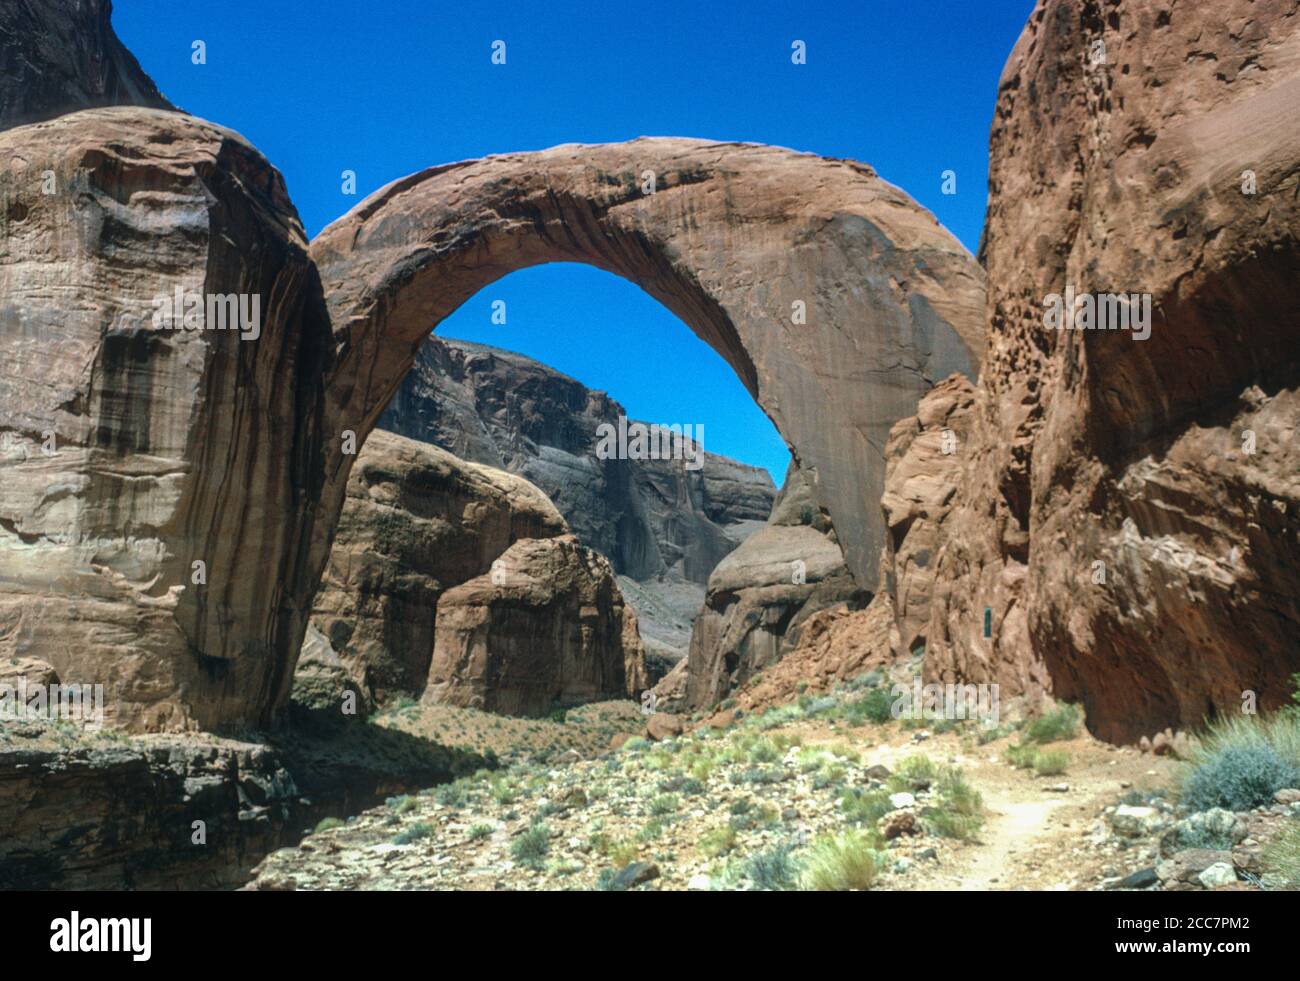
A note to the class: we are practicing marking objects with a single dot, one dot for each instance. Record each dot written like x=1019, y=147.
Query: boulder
x=546, y=628
x=416, y=521
x=760, y=595
x=664, y=725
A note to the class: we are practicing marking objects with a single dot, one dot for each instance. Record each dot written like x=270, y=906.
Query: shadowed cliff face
x=648, y=517
x=1135, y=549
x=58, y=56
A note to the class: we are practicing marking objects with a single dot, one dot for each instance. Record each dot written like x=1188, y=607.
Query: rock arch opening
x=833, y=298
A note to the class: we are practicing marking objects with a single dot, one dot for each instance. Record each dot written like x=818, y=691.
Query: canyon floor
x=731, y=809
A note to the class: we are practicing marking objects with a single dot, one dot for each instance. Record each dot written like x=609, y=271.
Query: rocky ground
x=761, y=804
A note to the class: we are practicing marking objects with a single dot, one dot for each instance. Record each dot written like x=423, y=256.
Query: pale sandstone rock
x=172, y=446
x=547, y=628
x=416, y=522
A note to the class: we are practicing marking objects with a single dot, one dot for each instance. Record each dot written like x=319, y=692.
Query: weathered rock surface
x=761, y=593
x=120, y=813
x=921, y=480
x=58, y=56
x=835, y=645
x=1094, y=454
x=662, y=526
x=416, y=521
x=648, y=517
x=547, y=627
x=169, y=446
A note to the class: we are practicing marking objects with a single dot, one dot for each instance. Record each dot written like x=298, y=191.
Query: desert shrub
x=865, y=807
x=957, y=794
x=477, y=832
x=1238, y=777
x=718, y=842
x=1051, y=763
x=914, y=773
x=875, y=706
x=764, y=751
x=1021, y=755
x=773, y=869
x=636, y=744
x=530, y=847
x=327, y=824
x=665, y=804
x=839, y=863
x=454, y=794
x=1060, y=723
x=1281, y=857
x=414, y=833
x=404, y=804
x=950, y=824
x=782, y=715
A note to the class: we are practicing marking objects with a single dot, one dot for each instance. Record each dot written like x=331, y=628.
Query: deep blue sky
x=389, y=87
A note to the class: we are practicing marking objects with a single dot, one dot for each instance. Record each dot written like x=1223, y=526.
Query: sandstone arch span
x=732, y=237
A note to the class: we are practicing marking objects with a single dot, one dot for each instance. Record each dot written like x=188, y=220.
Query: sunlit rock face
x=153, y=480
x=547, y=628
x=1130, y=542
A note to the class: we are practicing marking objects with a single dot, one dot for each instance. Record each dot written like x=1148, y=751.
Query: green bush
x=1051, y=763
x=876, y=706
x=1281, y=857
x=773, y=869
x=414, y=833
x=532, y=846
x=665, y=804
x=1060, y=723
x=328, y=824
x=1238, y=777
x=841, y=863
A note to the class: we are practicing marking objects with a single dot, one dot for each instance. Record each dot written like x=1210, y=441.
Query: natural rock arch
x=184, y=447
x=730, y=237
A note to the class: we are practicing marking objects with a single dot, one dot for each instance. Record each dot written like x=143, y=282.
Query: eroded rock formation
x=417, y=521
x=921, y=481
x=663, y=526
x=130, y=451
x=760, y=594
x=1134, y=544
x=546, y=628
x=836, y=300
